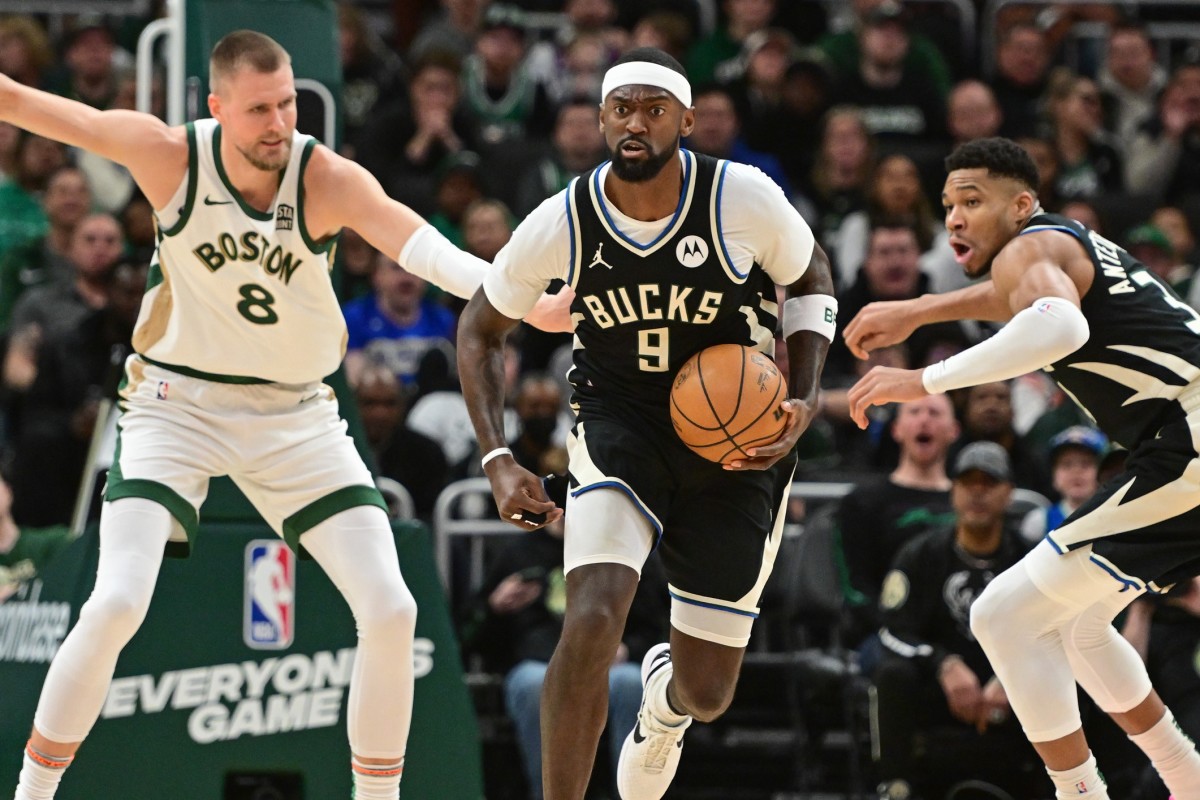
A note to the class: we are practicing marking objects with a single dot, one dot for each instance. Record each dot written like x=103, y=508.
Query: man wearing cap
x=1075, y=455
x=668, y=252
x=934, y=676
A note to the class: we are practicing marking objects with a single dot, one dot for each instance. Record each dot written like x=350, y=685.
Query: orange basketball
x=725, y=399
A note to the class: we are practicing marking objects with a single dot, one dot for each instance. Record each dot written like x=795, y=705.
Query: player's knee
x=392, y=612
x=988, y=617
x=705, y=696
x=118, y=612
x=593, y=629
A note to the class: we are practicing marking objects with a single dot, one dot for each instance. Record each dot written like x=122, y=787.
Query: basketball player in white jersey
x=238, y=328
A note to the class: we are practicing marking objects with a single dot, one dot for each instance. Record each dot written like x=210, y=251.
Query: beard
x=275, y=164
x=641, y=171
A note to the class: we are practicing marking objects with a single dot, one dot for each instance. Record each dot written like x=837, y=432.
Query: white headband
x=643, y=73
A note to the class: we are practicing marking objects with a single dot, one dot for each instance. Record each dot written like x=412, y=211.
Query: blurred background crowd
x=474, y=112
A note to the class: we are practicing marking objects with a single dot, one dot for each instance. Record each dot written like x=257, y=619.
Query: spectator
x=1174, y=223
x=517, y=621
x=45, y=259
x=452, y=30
x=587, y=43
x=1149, y=245
x=923, y=56
x=95, y=247
x=934, y=683
x=577, y=146
x=972, y=112
x=539, y=446
x=77, y=367
x=840, y=176
x=1085, y=212
x=1089, y=161
x=372, y=74
x=742, y=18
x=1075, y=456
x=24, y=552
x=487, y=227
x=460, y=183
x=895, y=192
x=1045, y=157
x=1130, y=81
x=892, y=271
x=883, y=513
x=717, y=132
x=25, y=51
x=796, y=136
x=1022, y=61
x=498, y=89
x=90, y=74
x=1164, y=160
x=403, y=146
x=987, y=415
x=412, y=459
x=21, y=214
x=897, y=99
x=138, y=223
x=669, y=31
x=395, y=325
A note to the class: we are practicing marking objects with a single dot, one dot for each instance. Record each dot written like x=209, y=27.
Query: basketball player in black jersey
x=667, y=252
x=1125, y=347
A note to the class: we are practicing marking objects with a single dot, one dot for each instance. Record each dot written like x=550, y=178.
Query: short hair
x=892, y=223
x=245, y=48
x=652, y=55
x=1002, y=158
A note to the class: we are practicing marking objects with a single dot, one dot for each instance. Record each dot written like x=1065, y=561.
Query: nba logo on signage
x=270, y=618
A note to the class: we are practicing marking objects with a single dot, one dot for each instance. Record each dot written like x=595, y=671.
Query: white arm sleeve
x=429, y=255
x=538, y=252
x=1038, y=336
x=759, y=223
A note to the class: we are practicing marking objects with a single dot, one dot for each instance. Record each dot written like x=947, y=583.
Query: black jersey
x=643, y=309
x=1143, y=351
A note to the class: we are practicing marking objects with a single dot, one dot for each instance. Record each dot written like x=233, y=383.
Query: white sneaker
x=650, y=755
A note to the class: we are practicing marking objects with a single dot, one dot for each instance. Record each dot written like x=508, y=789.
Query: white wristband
x=429, y=255
x=810, y=312
x=1051, y=329
x=499, y=451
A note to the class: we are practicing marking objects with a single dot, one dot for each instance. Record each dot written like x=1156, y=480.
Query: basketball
x=725, y=399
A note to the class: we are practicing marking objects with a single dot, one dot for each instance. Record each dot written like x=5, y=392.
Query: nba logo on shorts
x=270, y=618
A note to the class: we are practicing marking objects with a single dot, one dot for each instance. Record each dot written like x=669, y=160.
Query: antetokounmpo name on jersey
x=652, y=301
x=1110, y=263
x=250, y=246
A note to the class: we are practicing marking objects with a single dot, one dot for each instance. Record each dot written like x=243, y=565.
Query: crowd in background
x=474, y=112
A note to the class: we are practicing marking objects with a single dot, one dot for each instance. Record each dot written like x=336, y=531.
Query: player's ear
x=214, y=105
x=1026, y=202
x=688, y=122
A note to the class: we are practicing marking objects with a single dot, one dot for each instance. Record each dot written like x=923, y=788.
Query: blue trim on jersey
x=570, y=232
x=720, y=227
x=1054, y=544
x=1128, y=584
x=637, y=501
x=603, y=203
x=714, y=606
x=1061, y=228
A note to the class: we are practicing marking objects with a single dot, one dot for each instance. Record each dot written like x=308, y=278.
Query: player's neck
x=650, y=200
x=911, y=475
x=256, y=186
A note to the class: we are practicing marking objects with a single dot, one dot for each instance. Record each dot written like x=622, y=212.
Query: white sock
x=40, y=775
x=656, y=699
x=1084, y=780
x=1173, y=755
x=376, y=781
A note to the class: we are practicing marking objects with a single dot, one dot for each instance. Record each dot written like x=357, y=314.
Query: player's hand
x=764, y=456
x=993, y=705
x=881, y=324
x=552, y=313
x=961, y=687
x=880, y=386
x=518, y=493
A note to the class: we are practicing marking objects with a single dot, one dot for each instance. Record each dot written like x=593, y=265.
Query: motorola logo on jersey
x=692, y=251
x=270, y=618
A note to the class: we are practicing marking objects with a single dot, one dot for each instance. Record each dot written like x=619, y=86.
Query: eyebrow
x=963, y=187
x=627, y=97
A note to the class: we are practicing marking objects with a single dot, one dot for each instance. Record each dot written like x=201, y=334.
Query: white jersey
x=234, y=292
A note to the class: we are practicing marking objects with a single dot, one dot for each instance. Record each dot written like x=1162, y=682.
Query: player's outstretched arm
x=481, y=333
x=135, y=140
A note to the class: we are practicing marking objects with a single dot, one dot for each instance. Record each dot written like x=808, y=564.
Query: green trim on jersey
x=328, y=245
x=250, y=211
x=193, y=180
x=243, y=380
x=322, y=509
x=118, y=486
